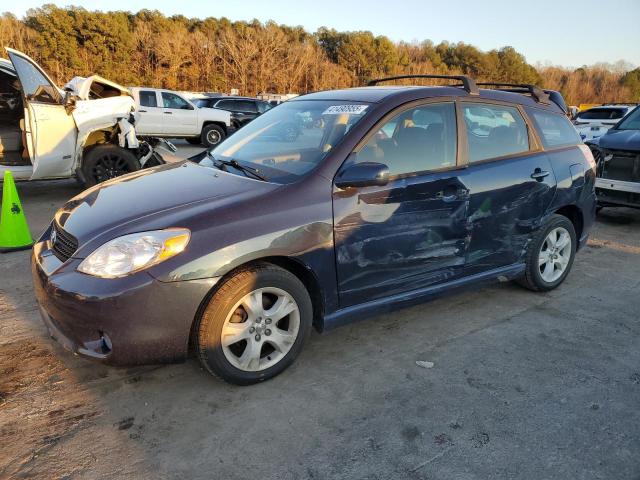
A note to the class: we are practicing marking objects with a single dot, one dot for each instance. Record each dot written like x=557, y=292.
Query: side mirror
x=366, y=174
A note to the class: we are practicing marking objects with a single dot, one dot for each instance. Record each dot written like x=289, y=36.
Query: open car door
x=50, y=130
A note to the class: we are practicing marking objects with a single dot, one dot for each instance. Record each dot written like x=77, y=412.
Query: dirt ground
x=535, y=386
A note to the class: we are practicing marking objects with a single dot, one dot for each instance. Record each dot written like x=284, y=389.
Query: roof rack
x=537, y=93
x=467, y=83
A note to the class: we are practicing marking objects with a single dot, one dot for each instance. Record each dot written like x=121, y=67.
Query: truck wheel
x=194, y=141
x=255, y=325
x=107, y=161
x=212, y=135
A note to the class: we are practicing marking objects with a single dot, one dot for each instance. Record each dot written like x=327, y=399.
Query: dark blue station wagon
x=388, y=196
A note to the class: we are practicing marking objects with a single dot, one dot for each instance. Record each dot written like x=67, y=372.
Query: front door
x=410, y=233
x=50, y=130
x=179, y=115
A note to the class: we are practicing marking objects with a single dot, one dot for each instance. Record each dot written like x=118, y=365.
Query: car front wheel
x=550, y=255
x=254, y=325
x=212, y=135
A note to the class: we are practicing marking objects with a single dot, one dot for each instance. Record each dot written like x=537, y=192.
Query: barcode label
x=339, y=109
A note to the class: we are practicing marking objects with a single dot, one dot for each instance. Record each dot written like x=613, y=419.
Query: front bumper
x=127, y=321
x=618, y=192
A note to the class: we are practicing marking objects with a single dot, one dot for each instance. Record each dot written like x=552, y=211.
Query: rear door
x=510, y=180
x=410, y=233
x=151, y=119
x=180, y=117
x=50, y=130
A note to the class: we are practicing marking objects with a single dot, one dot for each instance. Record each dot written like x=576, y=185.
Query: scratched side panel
x=506, y=205
x=397, y=238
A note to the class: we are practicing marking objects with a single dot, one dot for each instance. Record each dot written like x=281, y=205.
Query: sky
x=570, y=33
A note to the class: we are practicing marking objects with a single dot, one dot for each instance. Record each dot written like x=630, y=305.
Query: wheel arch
x=293, y=266
x=575, y=216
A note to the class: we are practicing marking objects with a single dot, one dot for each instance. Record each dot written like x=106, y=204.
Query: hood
x=214, y=114
x=83, y=87
x=159, y=197
x=621, y=140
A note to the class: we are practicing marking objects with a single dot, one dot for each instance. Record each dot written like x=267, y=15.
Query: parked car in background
x=84, y=130
x=594, y=122
x=169, y=114
x=242, y=109
x=617, y=154
x=241, y=254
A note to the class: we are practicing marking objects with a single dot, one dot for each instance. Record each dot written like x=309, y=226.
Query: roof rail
x=467, y=83
x=537, y=93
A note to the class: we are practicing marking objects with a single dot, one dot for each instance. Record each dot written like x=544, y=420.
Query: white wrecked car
x=85, y=130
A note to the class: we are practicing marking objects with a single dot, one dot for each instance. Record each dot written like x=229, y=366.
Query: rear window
x=601, y=114
x=148, y=99
x=554, y=129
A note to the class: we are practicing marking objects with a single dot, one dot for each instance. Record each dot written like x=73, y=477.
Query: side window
x=554, y=128
x=35, y=85
x=494, y=131
x=226, y=105
x=171, y=100
x=148, y=99
x=247, y=106
x=264, y=106
x=415, y=140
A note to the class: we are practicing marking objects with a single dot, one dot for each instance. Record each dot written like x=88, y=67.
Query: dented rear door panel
x=505, y=206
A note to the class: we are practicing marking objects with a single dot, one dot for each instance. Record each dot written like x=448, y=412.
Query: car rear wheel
x=104, y=162
x=550, y=255
x=255, y=325
x=212, y=135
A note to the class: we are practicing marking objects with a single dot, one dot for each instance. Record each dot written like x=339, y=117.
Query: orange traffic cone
x=14, y=231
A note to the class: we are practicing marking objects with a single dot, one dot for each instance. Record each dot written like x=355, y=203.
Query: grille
x=623, y=165
x=63, y=243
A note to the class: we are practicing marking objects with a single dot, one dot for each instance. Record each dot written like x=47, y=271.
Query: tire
x=107, y=161
x=540, y=277
x=265, y=346
x=194, y=140
x=212, y=135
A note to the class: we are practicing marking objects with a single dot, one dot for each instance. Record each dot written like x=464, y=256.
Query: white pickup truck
x=169, y=114
x=596, y=121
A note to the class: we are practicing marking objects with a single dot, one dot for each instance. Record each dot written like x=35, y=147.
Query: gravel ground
x=523, y=385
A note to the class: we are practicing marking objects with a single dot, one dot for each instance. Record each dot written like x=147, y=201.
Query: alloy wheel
x=260, y=329
x=213, y=137
x=555, y=254
x=109, y=166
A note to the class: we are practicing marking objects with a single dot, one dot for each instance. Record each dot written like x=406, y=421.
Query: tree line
x=215, y=54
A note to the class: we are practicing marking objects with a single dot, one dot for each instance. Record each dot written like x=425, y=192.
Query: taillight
x=586, y=151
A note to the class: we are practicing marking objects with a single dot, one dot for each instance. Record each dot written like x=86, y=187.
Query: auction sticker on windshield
x=339, y=109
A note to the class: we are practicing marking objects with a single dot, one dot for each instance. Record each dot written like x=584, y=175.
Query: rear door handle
x=142, y=111
x=539, y=174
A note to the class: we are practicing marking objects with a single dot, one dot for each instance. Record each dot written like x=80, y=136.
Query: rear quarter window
x=554, y=129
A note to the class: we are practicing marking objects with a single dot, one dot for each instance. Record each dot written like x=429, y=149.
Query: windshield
x=290, y=140
x=631, y=122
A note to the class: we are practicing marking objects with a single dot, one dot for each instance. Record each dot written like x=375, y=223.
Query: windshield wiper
x=254, y=172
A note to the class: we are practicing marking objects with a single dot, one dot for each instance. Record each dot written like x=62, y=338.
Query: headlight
x=130, y=253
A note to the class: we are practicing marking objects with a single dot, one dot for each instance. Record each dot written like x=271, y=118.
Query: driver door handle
x=168, y=113
x=539, y=174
